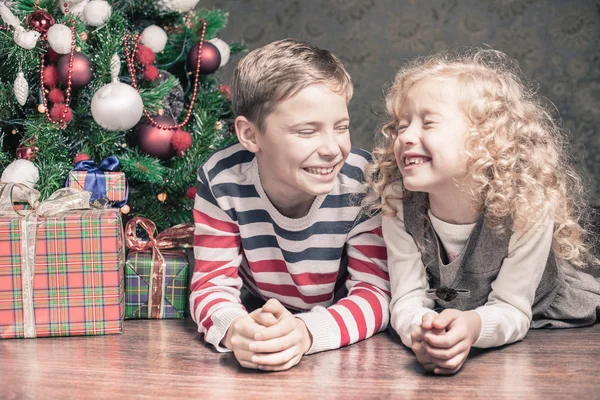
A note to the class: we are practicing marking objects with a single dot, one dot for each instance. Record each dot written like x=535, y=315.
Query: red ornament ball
x=80, y=157
x=181, y=140
x=153, y=140
x=225, y=90
x=57, y=113
x=52, y=56
x=40, y=21
x=145, y=56
x=190, y=193
x=209, y=60
x=151, y=73
x=82, y=70
x=50, y=76
x=56, y=96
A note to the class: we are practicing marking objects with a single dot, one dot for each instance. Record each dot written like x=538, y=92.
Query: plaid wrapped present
x=103, y=181
x=61, y=267
x=156, y=279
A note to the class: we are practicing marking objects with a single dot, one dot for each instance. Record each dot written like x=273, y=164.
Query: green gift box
x=156, y=271
x=144, y=298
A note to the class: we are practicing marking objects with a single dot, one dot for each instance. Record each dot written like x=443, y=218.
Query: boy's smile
x=304, y=145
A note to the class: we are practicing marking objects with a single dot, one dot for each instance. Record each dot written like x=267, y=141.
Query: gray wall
x=556, y=42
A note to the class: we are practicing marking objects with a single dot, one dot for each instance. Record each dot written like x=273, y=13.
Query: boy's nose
x=329, y=146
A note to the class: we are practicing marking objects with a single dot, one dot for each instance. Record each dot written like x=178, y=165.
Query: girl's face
x=430, y=147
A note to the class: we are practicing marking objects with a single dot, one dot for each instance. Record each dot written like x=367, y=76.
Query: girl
x=481, y=211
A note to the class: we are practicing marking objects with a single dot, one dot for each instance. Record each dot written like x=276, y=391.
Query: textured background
x=557, y=43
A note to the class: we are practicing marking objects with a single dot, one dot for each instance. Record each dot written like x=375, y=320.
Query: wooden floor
x=165, y=359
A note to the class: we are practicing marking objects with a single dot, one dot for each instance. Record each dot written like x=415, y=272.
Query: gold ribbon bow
x=177, y=236
x=62, y=200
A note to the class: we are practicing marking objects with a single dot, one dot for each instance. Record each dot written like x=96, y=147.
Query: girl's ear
x=247, y=134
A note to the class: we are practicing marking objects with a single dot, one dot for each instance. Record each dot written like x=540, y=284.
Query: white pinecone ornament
x=21, y=88
x=176, y=5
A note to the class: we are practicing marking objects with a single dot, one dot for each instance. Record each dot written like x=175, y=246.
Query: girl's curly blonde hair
x=516, y=153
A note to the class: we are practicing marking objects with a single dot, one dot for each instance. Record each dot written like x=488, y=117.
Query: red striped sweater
x=241, y=239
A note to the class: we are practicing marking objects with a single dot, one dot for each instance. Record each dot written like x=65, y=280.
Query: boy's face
x=303, y=146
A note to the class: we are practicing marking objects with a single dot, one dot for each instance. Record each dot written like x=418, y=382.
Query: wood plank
x=166, y=359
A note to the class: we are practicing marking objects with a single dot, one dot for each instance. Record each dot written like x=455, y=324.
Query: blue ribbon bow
x=95, y=180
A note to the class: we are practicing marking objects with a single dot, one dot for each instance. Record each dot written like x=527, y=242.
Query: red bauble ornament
x=181, y=140
x=40, y=21
x=210, y=60
x=57, y=113
x=27, y=153
x=190, y=193
x=80, y=157
x=52, y=56
x=153, y=140
x=145, y=56
x=50, y=76
x=82, y=70
x=151, y=73
x=56, y=96
x=225, y=90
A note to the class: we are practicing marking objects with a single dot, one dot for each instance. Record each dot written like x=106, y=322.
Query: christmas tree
x=133, y=79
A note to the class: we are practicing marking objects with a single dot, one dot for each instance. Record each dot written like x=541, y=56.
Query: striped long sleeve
x=241, y=239
x=215, y=289
x=365, y=311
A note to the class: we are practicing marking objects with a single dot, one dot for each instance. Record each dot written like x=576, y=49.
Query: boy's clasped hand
x=269, y=338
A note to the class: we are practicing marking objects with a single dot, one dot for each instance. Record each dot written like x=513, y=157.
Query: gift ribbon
x=177, y=236
x=62, y=200
x=95, y=179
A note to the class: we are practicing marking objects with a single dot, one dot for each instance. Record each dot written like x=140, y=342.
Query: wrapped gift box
x=71, y=280
x=114, y=184
x=157, y=269
x=171, y=302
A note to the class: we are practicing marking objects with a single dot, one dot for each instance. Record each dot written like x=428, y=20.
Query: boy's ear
x=247, y=134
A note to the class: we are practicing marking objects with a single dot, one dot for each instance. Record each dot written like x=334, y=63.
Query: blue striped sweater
x=241, y=239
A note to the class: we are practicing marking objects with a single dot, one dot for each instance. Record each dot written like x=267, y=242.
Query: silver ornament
x=21, y=88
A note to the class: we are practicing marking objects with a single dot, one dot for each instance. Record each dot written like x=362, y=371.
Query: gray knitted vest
x=476, y=267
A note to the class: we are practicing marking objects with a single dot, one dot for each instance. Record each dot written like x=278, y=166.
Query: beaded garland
x=130, y=57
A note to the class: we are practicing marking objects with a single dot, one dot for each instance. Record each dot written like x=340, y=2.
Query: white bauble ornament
x=223, y=49
x=21, y=171
x=59, y=38
x=96, y=12
x=75, y=7
x=155, y=38
x=21, y=88
x=176, y=5
x=117, y=106
x=26, y=39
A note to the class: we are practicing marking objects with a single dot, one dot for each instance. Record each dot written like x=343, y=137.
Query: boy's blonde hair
x=279, y=70
x=516, y=153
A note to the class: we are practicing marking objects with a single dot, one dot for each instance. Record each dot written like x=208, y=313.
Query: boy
x=279, y=214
